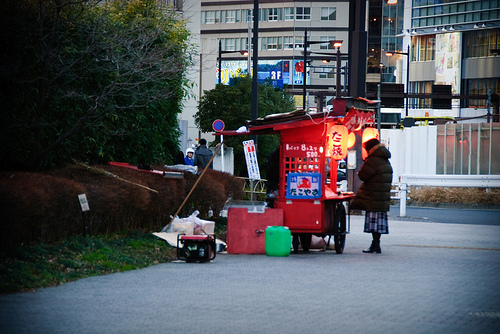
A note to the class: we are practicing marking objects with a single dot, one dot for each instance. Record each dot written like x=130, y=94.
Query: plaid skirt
x=376, y=222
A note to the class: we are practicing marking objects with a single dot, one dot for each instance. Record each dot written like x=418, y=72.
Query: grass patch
x=27, y=268
x=454, y=195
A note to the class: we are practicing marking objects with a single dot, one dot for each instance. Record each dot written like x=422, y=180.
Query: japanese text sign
x=251, y=159
x=337, y=142
x=303, y=185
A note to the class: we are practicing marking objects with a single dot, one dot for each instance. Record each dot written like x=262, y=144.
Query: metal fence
x=462, y=181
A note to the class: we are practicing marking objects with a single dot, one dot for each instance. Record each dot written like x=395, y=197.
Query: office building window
x=288, y=42
x=244, y=44
x=303, y=13
x=480, y=87
x=326, y=46
x=272, y=14
x=289, y=14
x=299, y=42
x=210, y=17
x=230, y=16
x=326, y=72
x=271, y=43
x=230, y=44
x=479, y=43
x=246, y=15
x=328, y=13
x=426, y=46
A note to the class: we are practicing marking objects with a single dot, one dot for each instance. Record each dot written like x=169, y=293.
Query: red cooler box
x=246, y=230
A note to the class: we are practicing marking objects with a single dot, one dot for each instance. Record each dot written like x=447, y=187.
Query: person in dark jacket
x=203, y=154
x=374, y=195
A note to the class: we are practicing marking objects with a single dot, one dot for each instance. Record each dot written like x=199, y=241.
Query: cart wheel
x=339, y=228
x=305, y=241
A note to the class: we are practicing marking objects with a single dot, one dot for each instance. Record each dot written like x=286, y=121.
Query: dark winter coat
x=202, y=157
x=374, y=195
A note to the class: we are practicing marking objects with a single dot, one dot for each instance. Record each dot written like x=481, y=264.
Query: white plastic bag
x=201, y=226
x=180, y=225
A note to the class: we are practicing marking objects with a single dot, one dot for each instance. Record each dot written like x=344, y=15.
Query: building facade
x=451, y=43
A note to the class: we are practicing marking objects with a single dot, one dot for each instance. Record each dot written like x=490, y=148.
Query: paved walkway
x=430, y=278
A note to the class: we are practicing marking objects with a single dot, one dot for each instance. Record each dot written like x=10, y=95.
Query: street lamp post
x=242, y=52
x=407, y=54
x=338, y=56
x=336, y=44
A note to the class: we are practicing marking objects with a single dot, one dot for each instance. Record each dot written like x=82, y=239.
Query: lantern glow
x=337, y=142
x=351, y=140
x=368, y=133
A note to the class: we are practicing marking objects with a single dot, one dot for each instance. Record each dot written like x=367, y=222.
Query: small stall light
x=368, y=133
x=351, y=140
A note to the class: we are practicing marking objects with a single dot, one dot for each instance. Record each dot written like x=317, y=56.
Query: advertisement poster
x=278, y=72
x=303, y=185
x=447, y=63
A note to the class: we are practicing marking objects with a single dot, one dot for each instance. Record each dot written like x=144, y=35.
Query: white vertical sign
x=251, y=159
x=83, y=202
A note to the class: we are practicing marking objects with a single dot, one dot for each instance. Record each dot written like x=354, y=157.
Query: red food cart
x=310, y=146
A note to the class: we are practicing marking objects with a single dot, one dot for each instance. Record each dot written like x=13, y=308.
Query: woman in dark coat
x=374, y=195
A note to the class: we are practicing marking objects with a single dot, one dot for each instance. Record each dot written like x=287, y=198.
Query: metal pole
x=407, y=78
x=255, y=86
x=304, y=78
x=222, y=152
x=254, y=108
x=337, y=87
x=379, y=116
x=249, y=47
x=220, y=59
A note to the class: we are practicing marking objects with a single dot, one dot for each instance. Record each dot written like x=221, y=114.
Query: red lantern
x=368, y=133
x=337, y=142
x=351, y=140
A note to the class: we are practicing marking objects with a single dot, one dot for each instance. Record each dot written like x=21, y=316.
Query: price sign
x=300, y=150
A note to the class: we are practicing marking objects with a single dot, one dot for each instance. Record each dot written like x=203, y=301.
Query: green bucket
x=278, y=241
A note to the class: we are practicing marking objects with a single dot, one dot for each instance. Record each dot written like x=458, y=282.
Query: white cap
x=189, y=150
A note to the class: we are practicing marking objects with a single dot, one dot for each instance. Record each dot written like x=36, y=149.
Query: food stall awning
x=274, y=123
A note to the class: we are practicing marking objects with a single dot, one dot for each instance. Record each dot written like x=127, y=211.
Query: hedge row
x=44, y=207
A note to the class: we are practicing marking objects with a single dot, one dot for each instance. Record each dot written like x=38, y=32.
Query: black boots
x=375, y=246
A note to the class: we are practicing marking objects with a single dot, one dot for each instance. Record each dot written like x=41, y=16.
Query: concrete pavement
x=430, y=278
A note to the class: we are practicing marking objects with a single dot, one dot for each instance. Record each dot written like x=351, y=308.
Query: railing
x=254, y=186
x=465, y=181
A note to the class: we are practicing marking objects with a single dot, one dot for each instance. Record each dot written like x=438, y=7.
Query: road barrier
x=459, y=181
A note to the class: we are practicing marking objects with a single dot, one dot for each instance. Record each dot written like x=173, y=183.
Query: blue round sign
x=218, y=125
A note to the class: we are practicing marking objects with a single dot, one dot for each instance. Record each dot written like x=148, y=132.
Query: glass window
x=289, y=14
x=246, y=15
x=431, y=42
x=483, y=45
x=272, y=43
x=210, y=17
x=326, y=72
x=263, y=43
x=263, y=15
x=328, y=13
x=299, y=42
x=288, y=42
x=303, y=13
x=228, y=44
x=326, y=46
x=273, y=14
x=228, y=16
